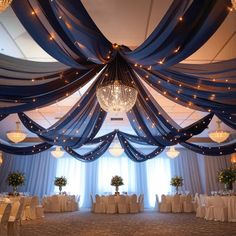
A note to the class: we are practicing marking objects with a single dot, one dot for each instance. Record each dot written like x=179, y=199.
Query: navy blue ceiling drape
x=65, y=30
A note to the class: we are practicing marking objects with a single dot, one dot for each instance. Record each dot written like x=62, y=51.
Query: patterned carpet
x=147, y=223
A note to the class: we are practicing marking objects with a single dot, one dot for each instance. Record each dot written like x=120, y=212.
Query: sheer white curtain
x=74, y=171
x=150, y=177
x=110, y=166
x=158, y=178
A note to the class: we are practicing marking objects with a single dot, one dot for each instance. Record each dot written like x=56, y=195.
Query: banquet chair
x=100, y=206
x=220, y=210
x=133, y=204
x=165, y=205
x=111, y=205
x=141, y=202
x=29, y=211
x=71, y=203
x=157, y=203
x=4, y=218
x=92, y=203
x=200, y=211
x=209, y=214
x=77, y=199
x=122, y=205
x=176, y=204
x=14, y=208
x=13, y=227
x=195, y=202
x=26, y=210
x=188, y=205
x=52, y=204
x=39, y=210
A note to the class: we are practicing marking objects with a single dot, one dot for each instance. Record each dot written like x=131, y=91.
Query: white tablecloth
x=229, y=203
x=60, y=203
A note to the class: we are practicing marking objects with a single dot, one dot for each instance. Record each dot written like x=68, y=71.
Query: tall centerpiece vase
x=228, y=186
x=177, y=189
x=15, y=190
x=117, y=190
x=60, y=188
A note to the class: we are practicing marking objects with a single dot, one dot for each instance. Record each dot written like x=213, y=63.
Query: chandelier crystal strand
x=116, y=97
x=4, y=4
x=219, y=135
x=17, y=135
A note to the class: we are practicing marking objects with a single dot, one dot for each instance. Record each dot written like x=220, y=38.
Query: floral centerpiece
x=177, y=182
x=116, y=181
x=16, y=179
x=227, y=177
x=60, y=182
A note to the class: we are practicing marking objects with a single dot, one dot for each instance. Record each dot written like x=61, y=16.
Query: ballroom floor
x=147, y=223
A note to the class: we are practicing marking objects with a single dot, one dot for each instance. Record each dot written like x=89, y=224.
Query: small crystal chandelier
x=219, y=135
x=17, y=135
x=1, y=158
x=172, y=152
x=57, y=152
x=116, y=97
x=4, y=4
x=116, y=150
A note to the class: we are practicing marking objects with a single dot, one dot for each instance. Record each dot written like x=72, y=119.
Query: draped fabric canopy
x=64, y=30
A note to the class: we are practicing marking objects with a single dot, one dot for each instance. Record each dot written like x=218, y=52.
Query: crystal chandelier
x=4, y=4
x=57, y=152
x=172, y=152
x=116, y=97
x=17, y=135
x=116, y=150
x=219, y=135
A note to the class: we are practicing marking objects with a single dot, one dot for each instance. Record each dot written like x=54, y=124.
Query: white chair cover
x=100, y=206
x=165, y=205
x=92, y=203
x=141, y=202
x=157, y=207
x=51, y=204
x=231, y=209
x=176, y=204
x=111, y=205
x=220, y=210
x=209, y=215
x=200, y=211
x=188, y=205
x=133, y=204
x=14, y=221
x=122, y=204
x=39, y=210
x=4, y=218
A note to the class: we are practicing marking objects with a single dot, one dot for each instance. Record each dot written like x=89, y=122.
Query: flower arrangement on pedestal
x=177, y=182
x=227, y=177
x=60, y=182
x=16, y=179
x=116, y=181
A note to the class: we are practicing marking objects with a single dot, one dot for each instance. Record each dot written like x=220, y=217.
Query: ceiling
x=127, y=22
